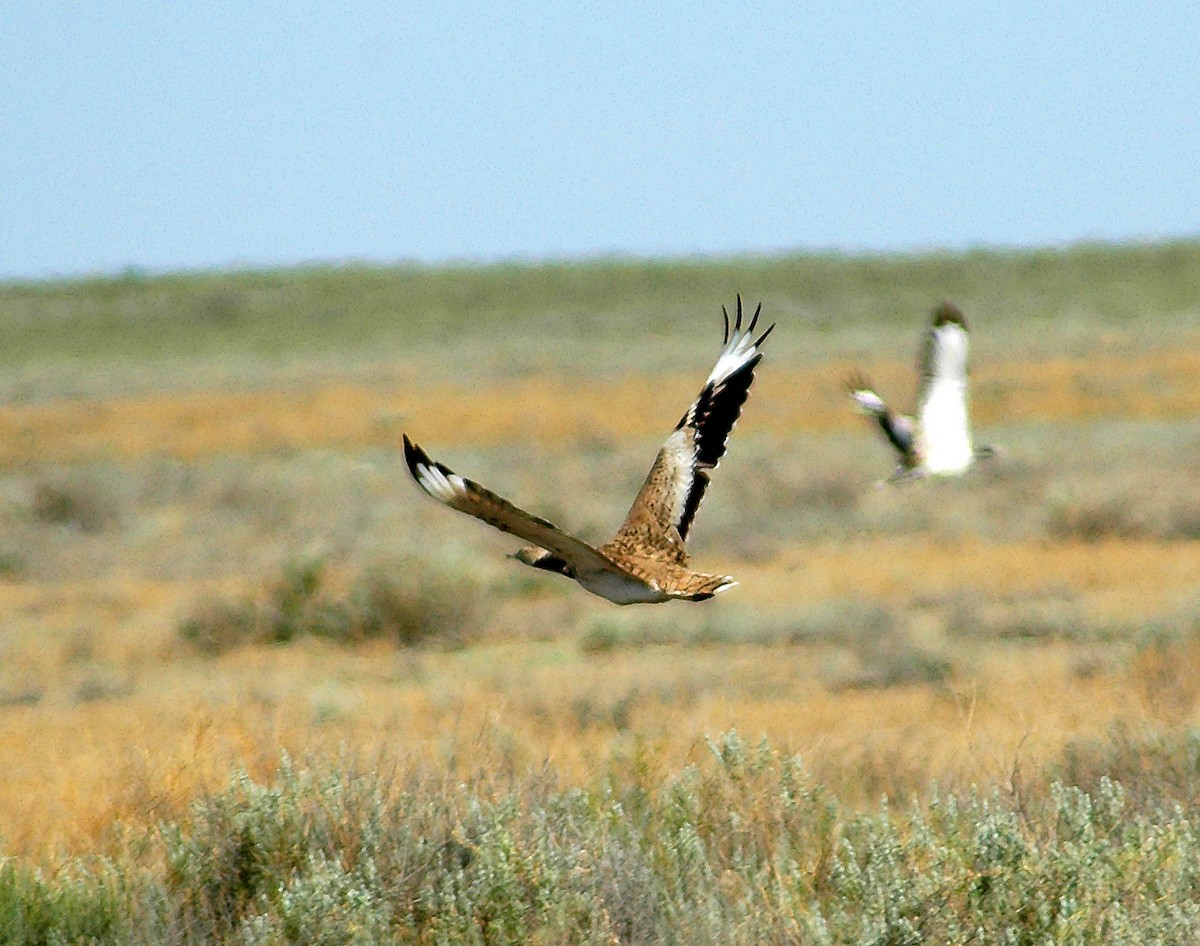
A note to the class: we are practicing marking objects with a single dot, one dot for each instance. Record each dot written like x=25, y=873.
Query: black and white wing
x=664, y=509
x=457, y=492
x=943, y=355
x=899, y=430
x=942, y=396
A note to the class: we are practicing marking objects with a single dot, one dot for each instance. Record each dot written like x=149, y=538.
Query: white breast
x=945, y=433
x=620, y=589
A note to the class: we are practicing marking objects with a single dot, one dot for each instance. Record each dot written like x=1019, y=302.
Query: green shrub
x=744, y=846
x=74, y=503
x=12, y=563
x=732, y=625
x=1032, y=619
x=407, y=603
x=216, y=626
x=411, y=605
x=84, y=905
x=886, y=651
x=1158, y=770
x=1092, y=520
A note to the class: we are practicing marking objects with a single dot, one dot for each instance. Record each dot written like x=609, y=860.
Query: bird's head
x=948, y=314
x=536, y=557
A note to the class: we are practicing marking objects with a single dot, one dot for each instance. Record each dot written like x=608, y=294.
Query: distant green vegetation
x=744, y=847
x=376, y=312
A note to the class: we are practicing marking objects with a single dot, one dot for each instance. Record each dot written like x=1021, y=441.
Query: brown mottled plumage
x=646, y=561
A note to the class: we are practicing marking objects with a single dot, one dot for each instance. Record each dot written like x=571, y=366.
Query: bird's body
x=646, y=561
x=937, y=442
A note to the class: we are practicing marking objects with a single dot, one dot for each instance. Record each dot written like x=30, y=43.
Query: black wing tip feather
x=739, y=318
x=414, y=457
x=754, y=319
x=470, y=498
x=737, y=325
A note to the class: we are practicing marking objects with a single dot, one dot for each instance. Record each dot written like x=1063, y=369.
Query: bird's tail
x=701, y=587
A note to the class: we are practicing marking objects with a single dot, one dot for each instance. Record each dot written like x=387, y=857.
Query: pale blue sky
x=167, y=136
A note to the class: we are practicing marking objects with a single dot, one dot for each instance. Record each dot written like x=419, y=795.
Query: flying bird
x=937, y=442
x=646, y=561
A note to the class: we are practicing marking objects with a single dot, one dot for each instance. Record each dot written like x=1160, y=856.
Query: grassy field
x=211, y=559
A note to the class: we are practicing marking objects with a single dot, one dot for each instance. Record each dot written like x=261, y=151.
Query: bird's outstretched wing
x=943, y=354
x=457, y=492
x=899, y=429
x=662, y=513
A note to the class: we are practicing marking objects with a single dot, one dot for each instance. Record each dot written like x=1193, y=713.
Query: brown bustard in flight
x=646, y=561
x=938, y=441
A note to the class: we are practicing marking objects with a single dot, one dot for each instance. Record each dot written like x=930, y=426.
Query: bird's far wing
x=663, y=511
x=898, y=429
x=457, y=492
x=943, y=353
x=942, y=398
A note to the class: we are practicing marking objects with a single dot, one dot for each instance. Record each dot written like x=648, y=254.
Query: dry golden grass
x=1118, y=577
x=71, y=768
x=551, y=411
x=160, y=724
x=108, y=717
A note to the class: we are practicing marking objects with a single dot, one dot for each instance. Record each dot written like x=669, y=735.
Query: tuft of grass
x=898, y=661
x=1158, y=769
x=1184, y=520
x=1162, y=664
x=217, y=626
x=733, y=625
x=1156, y=503
x=603, y=636
x=12, y=564
x=886, y=651
x=95, y=687
x=407, y=603
x=24, y=696
x=84, y=904
x=1036, y=618
x=73, y=503
x=1093, y=520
